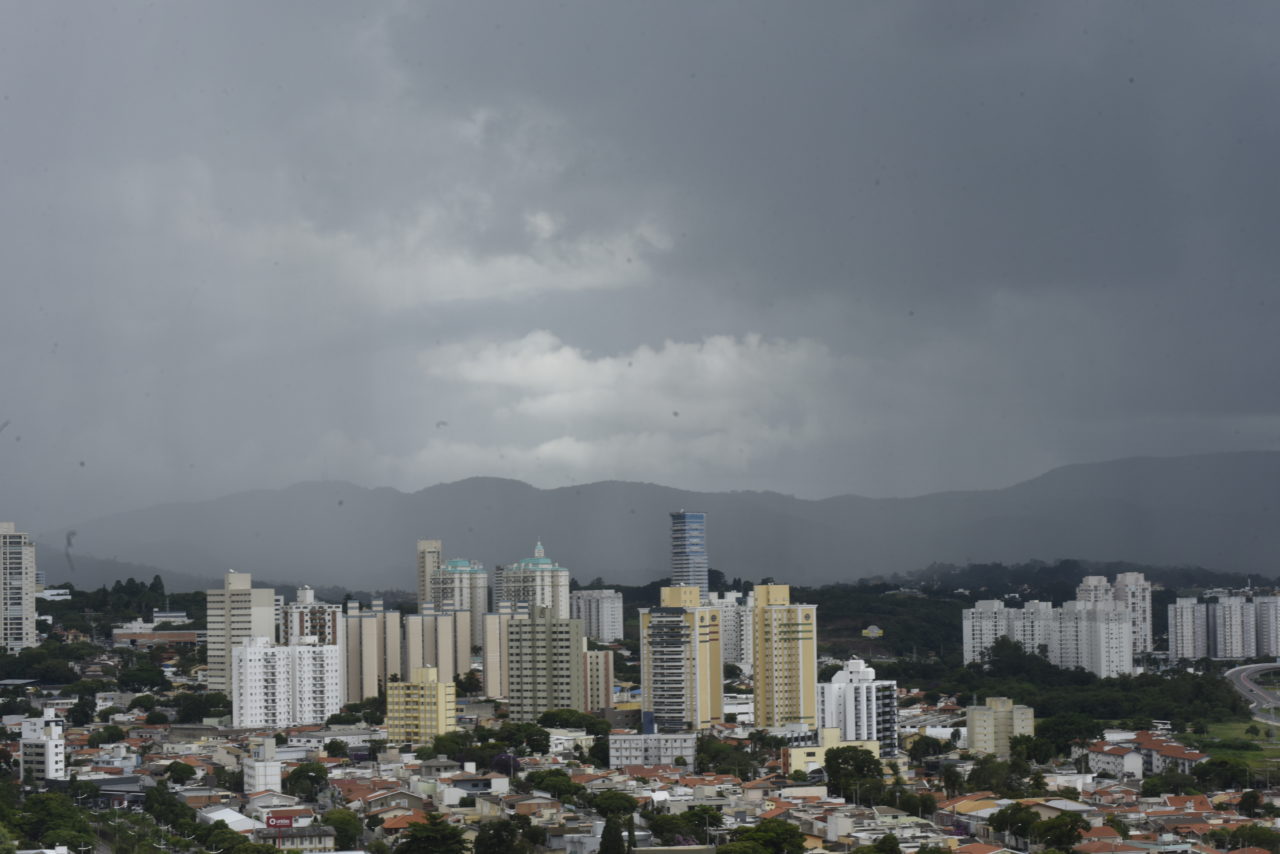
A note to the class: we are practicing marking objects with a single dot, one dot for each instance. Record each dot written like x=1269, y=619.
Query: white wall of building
x=280, y=686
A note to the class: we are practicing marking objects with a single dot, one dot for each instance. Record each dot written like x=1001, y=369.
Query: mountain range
x=1218, y=511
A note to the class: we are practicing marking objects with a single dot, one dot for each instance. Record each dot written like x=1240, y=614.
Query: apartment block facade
x=785, y=659
x=236, y=612
x=421, y=707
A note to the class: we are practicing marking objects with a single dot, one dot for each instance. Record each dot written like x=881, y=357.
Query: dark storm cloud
x=863, y=248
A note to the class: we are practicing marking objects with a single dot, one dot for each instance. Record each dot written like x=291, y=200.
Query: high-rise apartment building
x=306, y=618
x=1230, y=627
x=278, y=686
x=1088, y=632
x=1266, y=610
x=17, y=590
x=544, y=655
x=785, y=663
x=497, y=667
x=600, y=612
x=1233, y=628
x=439, y=638
x=681, y=669
x=1132, y=592
x=1097, y=636
x=598, y=675
x=43, y=748
x=374, y=651
x=461, y=585
x=1188, y=629
x=991, y=726
x=236, y=612
x=736, y=620
x=981, y=626
x=862, y=707
x=689, y=550
x=430, y=558
x=420, y=708
x=537, y=581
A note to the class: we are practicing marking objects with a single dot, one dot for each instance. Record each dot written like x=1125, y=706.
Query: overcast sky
x=882, y=248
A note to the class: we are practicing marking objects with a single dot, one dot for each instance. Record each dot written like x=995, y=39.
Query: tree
x=497, y=837
x=599, y=752
x=1222, y=774
x=468, y=685
x=613, y=803
x=157, y=718
x=774, y=835
x=81, y=714
x=952, y=781
x=433, y=836
x=68, y=838
x=109, y=734
x=1250, y=803
x=556, y=783
x=146, y=702
x=887, y=844
x=1170, y=781
x=1067, y=729
x=742, y=847
x=924, y=746
x=611, y=841
x=573, y=719
x=1016, y=818
x=47, y=812
x=336, y=747
x=347, y=824
x=850, y=767
x=180, y=772
x=306, y=780
x=1062, y=831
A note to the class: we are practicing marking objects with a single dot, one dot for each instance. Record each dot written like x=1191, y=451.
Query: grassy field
x=1260, y=760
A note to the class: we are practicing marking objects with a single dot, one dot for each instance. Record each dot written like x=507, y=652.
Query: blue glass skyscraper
x=689, y=549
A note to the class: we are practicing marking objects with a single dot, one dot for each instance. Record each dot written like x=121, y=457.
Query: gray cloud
x=876, y=249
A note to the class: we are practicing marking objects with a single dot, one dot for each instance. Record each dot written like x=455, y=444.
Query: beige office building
x=785, y=658
x=17, y=589
x=236, y=612
x=373, y=649
x=430, y=559
x=545, y=657
x=438, y=638
x=992, y=725
x=598, y=685
x=496, y=665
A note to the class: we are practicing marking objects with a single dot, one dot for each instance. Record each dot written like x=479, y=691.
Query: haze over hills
x=1216, y=511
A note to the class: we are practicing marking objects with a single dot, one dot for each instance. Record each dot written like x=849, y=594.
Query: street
x=1262, y=702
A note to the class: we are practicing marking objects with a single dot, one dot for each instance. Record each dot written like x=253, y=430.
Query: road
x=1260, y=699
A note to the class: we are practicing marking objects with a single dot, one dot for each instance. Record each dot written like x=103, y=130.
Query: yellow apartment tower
x=420, y=709
x=785, y=659
x=682, y=675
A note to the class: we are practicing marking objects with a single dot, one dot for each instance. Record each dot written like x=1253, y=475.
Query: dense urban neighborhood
x=974, y=710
